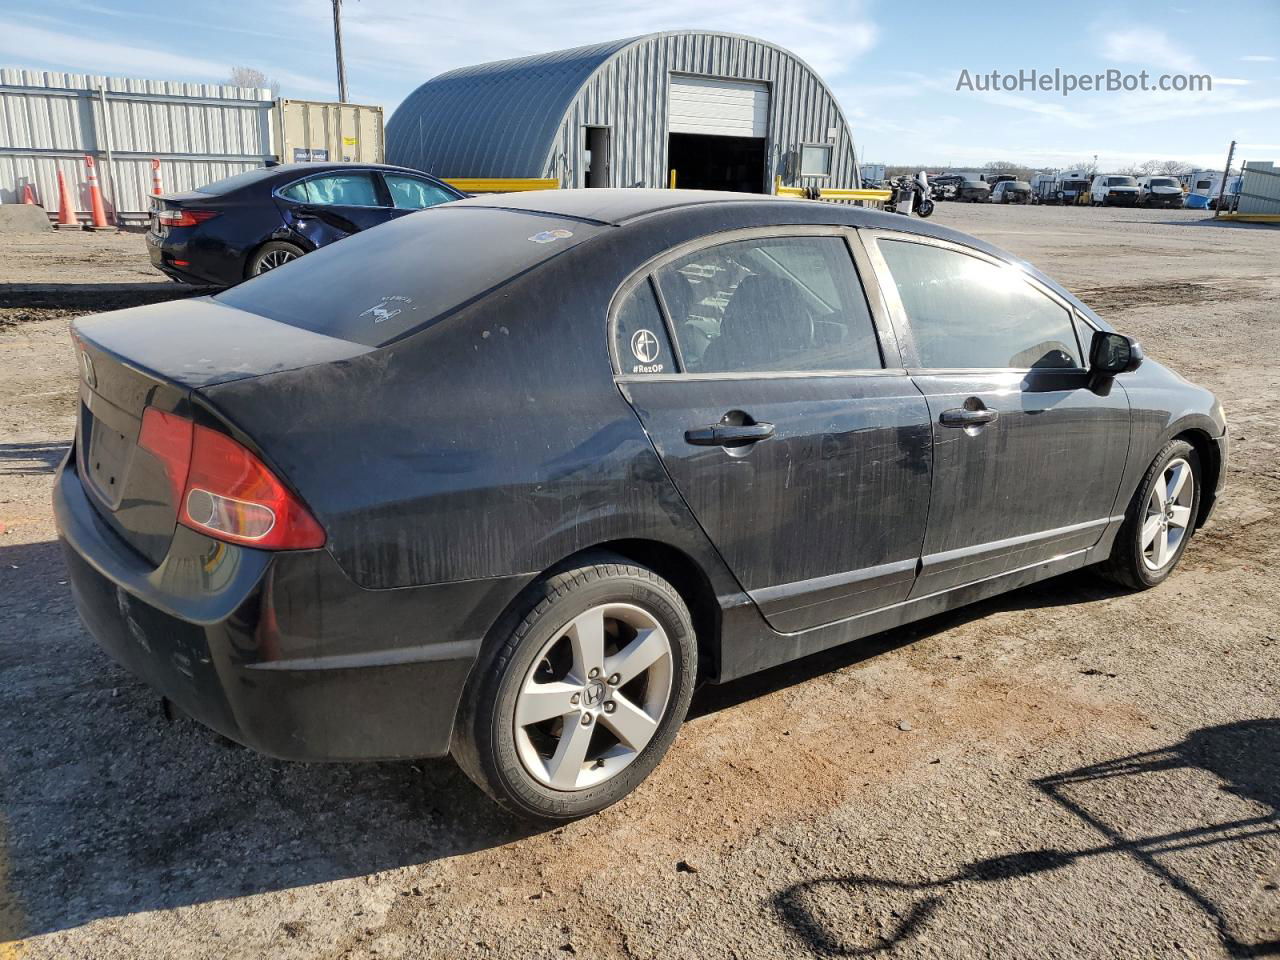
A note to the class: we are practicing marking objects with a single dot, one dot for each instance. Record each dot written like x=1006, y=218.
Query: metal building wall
x=199, y=132
x=524, y=118
x=491, y=119
x=1260, y=189
x=629, y=94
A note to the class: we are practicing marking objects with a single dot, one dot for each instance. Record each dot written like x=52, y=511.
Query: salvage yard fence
x=199, y=132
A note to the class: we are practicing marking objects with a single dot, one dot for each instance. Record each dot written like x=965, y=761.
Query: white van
x=1113, y=189
x=1159, y=191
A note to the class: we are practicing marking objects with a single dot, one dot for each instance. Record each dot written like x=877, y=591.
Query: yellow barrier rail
x=1251, y=217
x=502, y=184
x=832, y=193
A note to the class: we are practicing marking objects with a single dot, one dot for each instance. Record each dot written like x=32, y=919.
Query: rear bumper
x=201, y=268
x=280, y=651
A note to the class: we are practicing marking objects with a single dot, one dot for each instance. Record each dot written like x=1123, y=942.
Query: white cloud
x=54, y=47
x=1230, y=82
x=400, y=37
x=1258, y=58
x=1150, y=47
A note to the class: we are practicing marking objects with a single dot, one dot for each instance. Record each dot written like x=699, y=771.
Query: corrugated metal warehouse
x=200, y=132
x=721, y=111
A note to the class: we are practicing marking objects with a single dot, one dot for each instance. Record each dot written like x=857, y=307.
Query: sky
x=893, y=66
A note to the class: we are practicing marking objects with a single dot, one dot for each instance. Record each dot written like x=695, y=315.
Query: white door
x=725, y=108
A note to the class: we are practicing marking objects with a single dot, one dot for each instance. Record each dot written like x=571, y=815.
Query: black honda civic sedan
x=252, y=222
x=512, y=498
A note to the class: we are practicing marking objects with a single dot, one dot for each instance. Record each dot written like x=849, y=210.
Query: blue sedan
x=252, y=222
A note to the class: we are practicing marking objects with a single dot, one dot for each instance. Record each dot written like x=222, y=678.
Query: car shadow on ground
x=31, y=459
x=1070, y=589
x=1241, y=759
x=108, y=808
x=95, y=297
x=1207, y=221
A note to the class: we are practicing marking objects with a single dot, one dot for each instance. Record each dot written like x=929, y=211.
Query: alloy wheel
x=276, y=258
x=594, y=697
x=1168, y=515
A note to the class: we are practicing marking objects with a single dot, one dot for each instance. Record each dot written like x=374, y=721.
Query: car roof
x=310, y=167
x=618, y=205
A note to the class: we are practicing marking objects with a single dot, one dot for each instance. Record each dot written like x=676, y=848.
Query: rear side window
x=770, y=304
x=410, y=193
x=640, y=337
x=338, y=189
x=381, y=284
x=966, y=312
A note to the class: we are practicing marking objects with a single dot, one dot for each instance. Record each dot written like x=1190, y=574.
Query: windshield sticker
x=547, y=236
x=386, y=308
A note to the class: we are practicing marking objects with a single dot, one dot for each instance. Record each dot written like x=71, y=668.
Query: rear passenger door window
x=775, y=304
x=968, y=313
x=339, y=189
x=641, y=344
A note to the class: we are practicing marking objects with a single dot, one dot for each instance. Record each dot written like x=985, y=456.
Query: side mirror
x=1113, y=353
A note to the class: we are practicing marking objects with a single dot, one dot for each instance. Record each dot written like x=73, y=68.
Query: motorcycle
x=910, y=195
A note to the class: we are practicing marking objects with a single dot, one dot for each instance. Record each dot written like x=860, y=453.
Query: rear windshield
x=235, y=181
x=394, y=279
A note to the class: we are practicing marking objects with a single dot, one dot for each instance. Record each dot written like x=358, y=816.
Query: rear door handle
x=962, y=417
x=728, y=435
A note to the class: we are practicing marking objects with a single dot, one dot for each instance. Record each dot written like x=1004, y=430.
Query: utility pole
x=1225, y=173
x=337, y=48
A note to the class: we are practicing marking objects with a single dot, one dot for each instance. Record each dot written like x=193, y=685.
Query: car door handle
x=728, y=434
x=963, y=417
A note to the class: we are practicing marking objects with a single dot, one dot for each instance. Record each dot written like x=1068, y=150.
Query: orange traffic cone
x=27, y=195
x=155, y=177
x=66, y=209
x=95, y=197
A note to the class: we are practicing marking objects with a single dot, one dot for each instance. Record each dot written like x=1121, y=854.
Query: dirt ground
x=1068, y=771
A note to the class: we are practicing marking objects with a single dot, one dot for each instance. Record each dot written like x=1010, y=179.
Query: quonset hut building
x=721, y=111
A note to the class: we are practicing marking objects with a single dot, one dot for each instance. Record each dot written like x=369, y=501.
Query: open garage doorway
x=718, y=133
x=704, y=162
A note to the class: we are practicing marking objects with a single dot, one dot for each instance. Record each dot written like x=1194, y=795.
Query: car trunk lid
x=161, y=356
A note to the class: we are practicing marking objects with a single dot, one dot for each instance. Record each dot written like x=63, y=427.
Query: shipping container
x=315, y=130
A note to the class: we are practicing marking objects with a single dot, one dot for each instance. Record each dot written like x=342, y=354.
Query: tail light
x=223, y=490
x=179, y=217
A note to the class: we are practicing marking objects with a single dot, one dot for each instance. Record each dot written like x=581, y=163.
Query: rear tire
x=552, y=761
x=275, y=253
x=1157, y=526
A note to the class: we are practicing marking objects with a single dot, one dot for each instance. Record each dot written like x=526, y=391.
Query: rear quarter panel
x=491, y=444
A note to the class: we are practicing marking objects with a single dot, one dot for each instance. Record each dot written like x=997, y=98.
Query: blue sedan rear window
x=396, y=278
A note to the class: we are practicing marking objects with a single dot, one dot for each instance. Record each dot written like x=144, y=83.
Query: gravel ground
x=1066, y=771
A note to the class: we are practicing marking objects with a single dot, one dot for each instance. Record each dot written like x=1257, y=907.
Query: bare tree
x=1173, y=168
x=253, y=77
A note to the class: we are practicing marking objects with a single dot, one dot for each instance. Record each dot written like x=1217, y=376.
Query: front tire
x=575, y=702
x=1160, y=520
